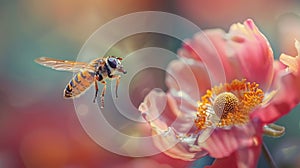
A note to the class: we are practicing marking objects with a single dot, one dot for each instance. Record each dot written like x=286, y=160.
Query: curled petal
x=164, y=136
x=171, y=146
x=293, y=63
x=162, y=111
x=288, y=96
x=279, y=67
x=253, y=51
x=184, y=113
x=152, y=107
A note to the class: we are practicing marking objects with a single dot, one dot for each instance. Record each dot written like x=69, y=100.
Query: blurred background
x=38, y=128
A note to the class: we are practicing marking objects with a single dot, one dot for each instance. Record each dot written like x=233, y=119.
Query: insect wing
x=61, y=65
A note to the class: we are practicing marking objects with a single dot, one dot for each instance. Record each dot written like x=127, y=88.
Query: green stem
x=268, y=156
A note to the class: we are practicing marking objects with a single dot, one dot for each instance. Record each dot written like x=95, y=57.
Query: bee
x=98, y=70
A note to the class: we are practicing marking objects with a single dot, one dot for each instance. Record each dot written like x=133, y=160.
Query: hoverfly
x=98, y=69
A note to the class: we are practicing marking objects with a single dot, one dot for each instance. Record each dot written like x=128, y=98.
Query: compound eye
x=112, y=62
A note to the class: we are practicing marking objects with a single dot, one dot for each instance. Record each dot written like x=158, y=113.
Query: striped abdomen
x=79, y=83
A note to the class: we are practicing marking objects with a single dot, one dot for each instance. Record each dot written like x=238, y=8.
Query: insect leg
x=96, y=88
x=103, y=93
x=118, y=77
x=117, y=84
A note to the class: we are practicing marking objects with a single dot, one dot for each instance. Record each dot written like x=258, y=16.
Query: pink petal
x=164, y=136
x=253, y=51
x=247, y=157
x=163, y=111
x=153, y=107
x=204, y=48
x=184, y=115
x=288, y=96
x=187, y=51
x=223, y=142
x=170, y=145
x=242, y=53
x=279, y=67
x=189, y=77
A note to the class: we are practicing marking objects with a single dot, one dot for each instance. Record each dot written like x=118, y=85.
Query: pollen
x=228, y=104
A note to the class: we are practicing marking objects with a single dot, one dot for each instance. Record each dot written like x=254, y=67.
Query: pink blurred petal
x=162, y=111
x=278, y=67
x=242, y=53
x=216, y=55
x=253, y=52
x=210, y=50
x=171, y=146
x=187, y=51
x=188, y=76
x=152, y=107
x=293, y=63
x=288, y=96
x=164, y=136
x=184, y=115
x=168, y=114
x=223, y=142
x=247, y=157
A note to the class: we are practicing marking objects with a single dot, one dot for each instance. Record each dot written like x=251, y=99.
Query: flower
x=225, y=91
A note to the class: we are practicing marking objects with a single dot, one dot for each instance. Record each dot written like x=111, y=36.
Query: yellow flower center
x=228, y=104
x=224, y=104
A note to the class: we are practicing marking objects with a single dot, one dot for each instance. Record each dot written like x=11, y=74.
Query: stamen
x=230, y=103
